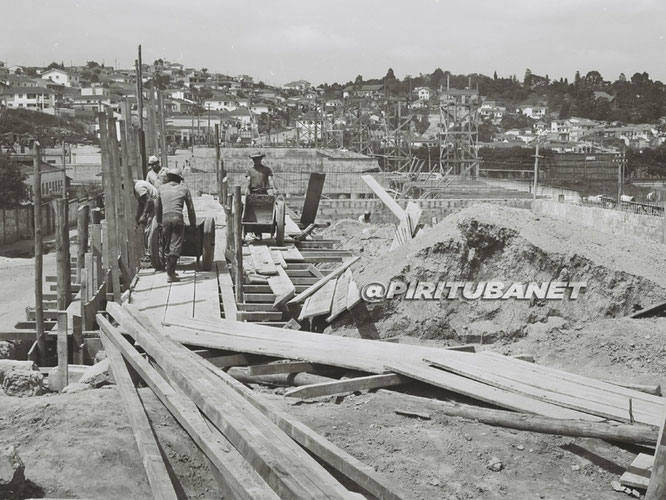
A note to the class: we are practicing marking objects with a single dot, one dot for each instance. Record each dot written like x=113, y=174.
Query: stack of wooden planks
x=258, y=451
x=491, y=378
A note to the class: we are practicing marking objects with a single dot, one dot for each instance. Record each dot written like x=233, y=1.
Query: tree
x=55, y=65
x=622, y=78
x=389, y=75
x=527, y=79
x=13, y=189
x=92, y=64
x=594, y=78
x=437, y=78
x=359, y=80
x=495, y=76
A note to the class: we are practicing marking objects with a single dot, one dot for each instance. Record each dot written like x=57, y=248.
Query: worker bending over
x=169, y=213
x=259, y=176
x=146, y=195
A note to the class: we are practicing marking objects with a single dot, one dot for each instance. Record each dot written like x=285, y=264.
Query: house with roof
x=182, y=94
x=34, y=98
x=92, y=102
x=534, y=112
x=219, y=102
x=299, y=85
x=365, y=90
x=62, y=77
x=259, y=108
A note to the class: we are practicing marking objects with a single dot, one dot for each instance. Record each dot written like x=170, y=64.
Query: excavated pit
x=489, y=243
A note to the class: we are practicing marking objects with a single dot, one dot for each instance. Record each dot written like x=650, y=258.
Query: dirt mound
x=368, y=240
x=491, y=243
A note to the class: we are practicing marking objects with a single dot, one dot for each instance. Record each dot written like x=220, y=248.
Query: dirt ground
x=81, y=446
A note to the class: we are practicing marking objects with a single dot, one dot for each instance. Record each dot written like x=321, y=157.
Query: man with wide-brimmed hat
x=169, y=213
x=259, y=176
x=156, y=173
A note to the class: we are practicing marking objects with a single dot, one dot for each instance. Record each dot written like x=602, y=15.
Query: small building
x=34, y=98
x=299, y=85
x=61, y=77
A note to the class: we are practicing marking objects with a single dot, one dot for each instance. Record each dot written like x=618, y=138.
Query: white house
x=182, y=94
x=423, y=93
x=220, y=102
x=35, y=98
x=86, y=91
x=299, y=85
x=535, y=112
x=61, y=77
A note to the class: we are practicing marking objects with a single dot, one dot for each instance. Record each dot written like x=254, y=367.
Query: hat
x=175, y=171
x=257, y=154
x=153, y=159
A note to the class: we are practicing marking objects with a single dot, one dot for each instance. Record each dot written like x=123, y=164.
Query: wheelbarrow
x=198, y=241
x=262, y=213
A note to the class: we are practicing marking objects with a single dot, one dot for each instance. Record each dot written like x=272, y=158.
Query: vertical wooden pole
x=61, y=346
x=105, y=247
x=218, y=177
x=109, y=229
x=657, y=485
x=162, y=122
x=127, y=199
x=82, y=218
x=116, y=172
x=64, y=171
x=63, y=271
x=96, y=245
x=39, y=263
x=238, y=244
x=536, y=171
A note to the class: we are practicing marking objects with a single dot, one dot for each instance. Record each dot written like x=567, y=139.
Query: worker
x=156, y=173
x=365, y=217
x=260, y=177
x=146, y=195
x=169, y=214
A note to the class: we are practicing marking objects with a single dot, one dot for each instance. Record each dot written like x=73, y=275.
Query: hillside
x=49, y=130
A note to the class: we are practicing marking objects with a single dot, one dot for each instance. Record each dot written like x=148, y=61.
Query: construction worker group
x=162, y=196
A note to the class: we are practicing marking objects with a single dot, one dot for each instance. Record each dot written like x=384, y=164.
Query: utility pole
x=536, y=171
x=39, y=262
x=64, y=171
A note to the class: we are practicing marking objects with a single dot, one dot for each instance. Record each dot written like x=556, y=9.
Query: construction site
x=336, y=338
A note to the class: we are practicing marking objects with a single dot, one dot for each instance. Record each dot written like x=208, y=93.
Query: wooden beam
x=63, y=270
x=339, y=304
x=319, y=304
x=242, y=481
x=657, y=486
x=273, y=368
x=226, y=291
x=349, y=385
x=313, y=288
x=352, y=468
x=386, y=198
x=238, y=243
x=62, y=378
x=156, y=471
x=312, y=197
x=39, y=260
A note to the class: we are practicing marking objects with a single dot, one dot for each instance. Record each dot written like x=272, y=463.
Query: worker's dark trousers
x=173, y=232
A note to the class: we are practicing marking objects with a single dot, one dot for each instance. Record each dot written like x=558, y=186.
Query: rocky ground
x=80, y=445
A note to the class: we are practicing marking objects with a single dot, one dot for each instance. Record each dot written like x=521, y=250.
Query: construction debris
x=12, y=473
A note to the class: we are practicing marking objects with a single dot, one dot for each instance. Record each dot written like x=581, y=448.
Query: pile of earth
x=367, y=240
x=491, y=243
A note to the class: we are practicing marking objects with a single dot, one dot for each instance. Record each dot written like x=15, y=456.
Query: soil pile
x=491, y=243
x=367, y=240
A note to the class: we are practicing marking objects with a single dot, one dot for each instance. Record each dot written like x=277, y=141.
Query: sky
x=278, y=41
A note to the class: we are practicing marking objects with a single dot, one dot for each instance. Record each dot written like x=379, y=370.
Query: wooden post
x=238, y=244
x=536, y=171
x=657, y=485
x=116, y=173
x=127, y=200
x=63, y=375
x=105, y=246
x=218, y=174
x=63, y=270
x=96, y=248
x=64, y=171
x=39, y=263
x=109, y=229
x=163, y=137
x=82, y=218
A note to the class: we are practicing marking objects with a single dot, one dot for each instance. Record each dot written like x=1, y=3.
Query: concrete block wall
x=350, y=209
x=611, y=221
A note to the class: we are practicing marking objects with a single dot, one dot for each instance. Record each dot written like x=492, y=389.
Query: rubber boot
x=172, y=277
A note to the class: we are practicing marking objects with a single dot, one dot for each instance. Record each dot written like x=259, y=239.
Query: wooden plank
x=313, y=288
x=259, y=315
x=315, y=271
x=282, y=287
x=226, y=290
x=156, y=471
x=259, y=297
x=657, y=485
x=180, y=303
x=292, y=254
x=62, y=378
x=262, y=260
x=273, y=368
x=206, y=294
x=639, y=472
x=539, y=391
x=352, y=468
x=255, y=307
x=339, y=304
x=278, y=259
x=320, y=302
x=386, y=198
x=231, y=360
x=312, y=197
x=353, y=295
x=242, y=481
x=288, y=469
x=483, y=392
x=349, y=385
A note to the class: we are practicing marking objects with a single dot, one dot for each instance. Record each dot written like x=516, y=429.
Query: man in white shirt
x=156, y=173
x=146, y=195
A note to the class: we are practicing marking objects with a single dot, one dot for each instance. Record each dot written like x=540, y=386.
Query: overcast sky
x=325, y=41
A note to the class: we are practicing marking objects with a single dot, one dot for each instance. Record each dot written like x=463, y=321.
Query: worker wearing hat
x=146, y=195
x=259, y=176
x=156, y=173
x=169, y=213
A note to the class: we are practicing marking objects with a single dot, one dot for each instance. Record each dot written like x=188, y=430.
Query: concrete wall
x=350, y=209
x=611, y=221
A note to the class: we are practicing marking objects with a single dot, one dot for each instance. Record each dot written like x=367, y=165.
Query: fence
x=18, y=223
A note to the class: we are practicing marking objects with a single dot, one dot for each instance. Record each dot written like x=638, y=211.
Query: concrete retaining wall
x=611, y=221
x=350, y=209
